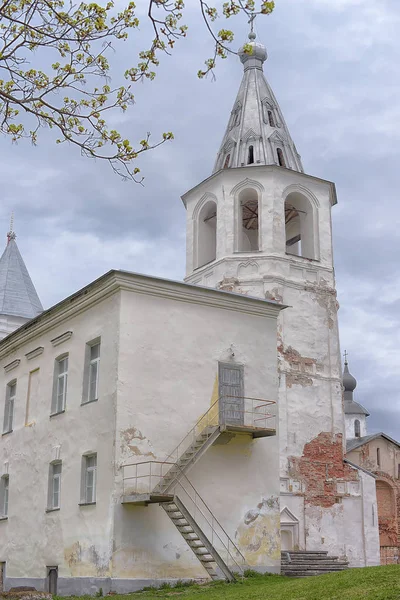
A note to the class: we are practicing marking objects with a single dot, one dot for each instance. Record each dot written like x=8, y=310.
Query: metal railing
x=228, y=410
x=251, y=414
x=145, y=476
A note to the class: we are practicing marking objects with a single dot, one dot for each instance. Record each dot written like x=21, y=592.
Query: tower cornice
x=253, y=172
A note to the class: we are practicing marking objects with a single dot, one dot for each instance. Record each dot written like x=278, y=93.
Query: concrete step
x=294, y=561
x=305, y=573
x=312, y=567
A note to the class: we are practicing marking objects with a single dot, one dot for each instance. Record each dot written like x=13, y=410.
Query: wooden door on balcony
x=231, y=394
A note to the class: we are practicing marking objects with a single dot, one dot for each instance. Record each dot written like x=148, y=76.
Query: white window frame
x=94, y=362
x=57, y=405
x=4, y=496
x=53, y=477
x=11, y=393
x=89, y=471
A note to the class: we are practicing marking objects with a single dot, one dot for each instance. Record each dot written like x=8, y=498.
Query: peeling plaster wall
x=309, y=367
x=76, y=538
x=387, y=485
x=167, y=371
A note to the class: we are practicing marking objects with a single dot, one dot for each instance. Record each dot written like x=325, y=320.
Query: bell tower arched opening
x=300, y=226
x=206, y=234
x=248, y=230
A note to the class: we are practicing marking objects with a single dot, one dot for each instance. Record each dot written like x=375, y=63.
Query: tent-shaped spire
x=18, y=297
x=257, y=133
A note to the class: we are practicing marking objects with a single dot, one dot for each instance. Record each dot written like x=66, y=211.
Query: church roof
x=354, y=408
x=357, y=442
x=256, y=121
x=18, y=296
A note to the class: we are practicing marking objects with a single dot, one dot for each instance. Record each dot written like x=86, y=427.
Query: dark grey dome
x=349, y=382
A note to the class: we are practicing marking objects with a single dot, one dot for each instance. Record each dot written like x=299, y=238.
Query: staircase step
x=312, y=567
x=206, y=560
x=305, y=552
x=312, y=562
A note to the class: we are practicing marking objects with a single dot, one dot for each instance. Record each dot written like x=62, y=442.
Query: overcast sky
x=334, y=67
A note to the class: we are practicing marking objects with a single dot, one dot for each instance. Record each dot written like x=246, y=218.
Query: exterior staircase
x=308, y=563
x=197, y=541
x=188, y=458
x=165, y=482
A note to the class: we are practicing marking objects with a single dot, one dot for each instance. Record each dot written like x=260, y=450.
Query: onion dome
x=349, y=382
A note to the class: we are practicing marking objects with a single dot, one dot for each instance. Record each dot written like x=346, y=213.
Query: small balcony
x=155, y=481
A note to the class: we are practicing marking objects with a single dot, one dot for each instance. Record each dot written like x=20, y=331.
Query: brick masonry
x=321, y=468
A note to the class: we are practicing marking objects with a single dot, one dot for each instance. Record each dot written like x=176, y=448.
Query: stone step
x=304, y=573
x=325, y=561
x=305, y=553
x=311, y=567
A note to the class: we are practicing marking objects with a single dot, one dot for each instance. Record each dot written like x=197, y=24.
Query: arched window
x=271, y=119
x=248, y=221
x=281, y=158
x=357, y=429
x=250, y=156
x=300, y=226
x=207, y=234
x=226, y=163
x=378, y=457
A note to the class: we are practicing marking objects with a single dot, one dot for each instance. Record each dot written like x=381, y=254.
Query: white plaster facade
x=310, y=389
x=352, y=428
x=160, y=344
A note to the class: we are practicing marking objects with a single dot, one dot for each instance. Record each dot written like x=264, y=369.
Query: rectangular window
x=94, y=366
x=4, y=484
x=54, y=498
x=9, y=407
x=398, y=471
x=89, y=478
x=60, y=385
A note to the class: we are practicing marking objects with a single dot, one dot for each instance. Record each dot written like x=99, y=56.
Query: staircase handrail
x=214, y=519
x=211, y=419
x=194, y=432
x=199, y=504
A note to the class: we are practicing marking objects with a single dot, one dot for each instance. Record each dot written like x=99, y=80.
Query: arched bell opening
x=206, y=234
x=300, y=226
x=248, y=221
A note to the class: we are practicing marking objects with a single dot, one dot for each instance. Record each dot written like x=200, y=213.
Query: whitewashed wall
x=160, y=346
x=78, y=539
x=169, y=353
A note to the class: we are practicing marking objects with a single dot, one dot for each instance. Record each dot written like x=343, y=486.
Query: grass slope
x=373, y=583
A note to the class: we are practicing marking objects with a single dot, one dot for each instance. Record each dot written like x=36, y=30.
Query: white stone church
x=157, y=430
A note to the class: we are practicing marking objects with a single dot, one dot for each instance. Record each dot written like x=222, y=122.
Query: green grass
x=373, y=583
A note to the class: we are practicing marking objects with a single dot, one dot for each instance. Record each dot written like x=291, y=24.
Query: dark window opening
x=357, y=429
x=226, y=163
x=250, y=157
x=378, y=457
x=281, y=158
x=271, y=118
x=398, y=471
x=248, y=232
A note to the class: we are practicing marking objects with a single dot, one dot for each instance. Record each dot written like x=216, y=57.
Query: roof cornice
x=114, y=281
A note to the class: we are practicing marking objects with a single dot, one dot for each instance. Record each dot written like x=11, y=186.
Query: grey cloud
x=334, y=69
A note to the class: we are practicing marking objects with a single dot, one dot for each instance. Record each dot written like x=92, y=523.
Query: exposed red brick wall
x=320, y=467
x=388, y=497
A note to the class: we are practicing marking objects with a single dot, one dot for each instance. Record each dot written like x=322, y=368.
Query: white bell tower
x=260, y=226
